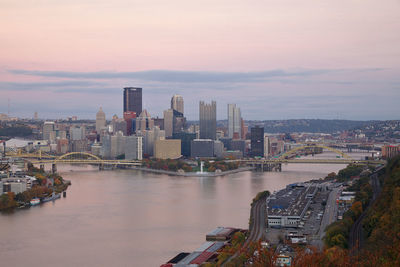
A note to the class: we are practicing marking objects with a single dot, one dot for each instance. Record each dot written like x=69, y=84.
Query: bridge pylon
x=54, y=168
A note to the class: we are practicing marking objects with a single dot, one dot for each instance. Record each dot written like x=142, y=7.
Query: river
x=134, y=218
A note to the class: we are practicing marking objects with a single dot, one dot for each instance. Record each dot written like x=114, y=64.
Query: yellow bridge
x=71, y=158
x=288, y=157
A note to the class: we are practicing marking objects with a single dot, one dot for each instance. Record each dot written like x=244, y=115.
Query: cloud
x=187, y=76
x=28, y=86
x=351, y=93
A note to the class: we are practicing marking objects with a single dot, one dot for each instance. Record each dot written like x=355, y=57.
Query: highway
x=329, y=214
x=257, y=228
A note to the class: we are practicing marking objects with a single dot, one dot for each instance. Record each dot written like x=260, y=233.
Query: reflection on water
x=131, y=218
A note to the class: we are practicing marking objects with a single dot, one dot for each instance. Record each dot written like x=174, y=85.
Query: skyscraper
x=133, y=99
x=144, y=122
x=179, y=122
x=234, y=122
x=48, y=129
x=130, y=118
x=177, y=103
x=208, y=120
x=100, y=120
x=168, y=122
x=257, y=141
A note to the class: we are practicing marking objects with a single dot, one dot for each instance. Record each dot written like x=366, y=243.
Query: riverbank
x=194, y=174
x=30, y=188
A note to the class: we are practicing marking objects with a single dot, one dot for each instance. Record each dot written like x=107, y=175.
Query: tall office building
x=48, y=130
x=177, y=103
x=208, y=120
x=76, y=133
x=179, y=122
x=266, y=146
x=133, y=99
x=130, y=119
x=168, y=122
x=234, y=122
x=100, y=120
x=144, y=121
x=134, y=147
x=186, y=139
x=257, y=141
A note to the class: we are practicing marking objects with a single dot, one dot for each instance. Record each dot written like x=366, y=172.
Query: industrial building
x=208, y=252
x=286, y=207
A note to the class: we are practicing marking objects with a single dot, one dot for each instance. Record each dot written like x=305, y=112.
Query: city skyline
x=275, y=60
x=199, y=133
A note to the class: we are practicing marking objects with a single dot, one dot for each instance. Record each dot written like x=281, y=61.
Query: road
x=330, y=215
x=330, y=211
x=257, y=228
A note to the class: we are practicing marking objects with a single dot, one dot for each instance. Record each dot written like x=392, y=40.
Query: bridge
x=275, y=164
x=312, y=147
x=41, y=158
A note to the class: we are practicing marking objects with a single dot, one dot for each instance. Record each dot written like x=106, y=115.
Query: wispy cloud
x=188, y=76
x=28, y=86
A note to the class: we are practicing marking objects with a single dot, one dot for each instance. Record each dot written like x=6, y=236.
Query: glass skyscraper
x=133, y=100
x=234, y=122
x=208, y=120
x=257, y=141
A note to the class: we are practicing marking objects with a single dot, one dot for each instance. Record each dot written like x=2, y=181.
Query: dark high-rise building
x=133, y=100
x=186, y=139
x=257, y=141
x=208, y=120
x=226, y=141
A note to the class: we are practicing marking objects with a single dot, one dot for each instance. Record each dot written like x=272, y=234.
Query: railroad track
x=356, y=235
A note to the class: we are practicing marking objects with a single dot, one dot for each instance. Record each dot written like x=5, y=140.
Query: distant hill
x=381, y=130
x=309, y=125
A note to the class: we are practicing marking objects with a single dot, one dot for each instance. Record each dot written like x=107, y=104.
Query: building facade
x=100, y=120
x=177, y=103
x=186, y=139
x=134, y=147
x=168, y=122
x=48, y=130
x=257, y=141
x=144, y=121
x=390, y=151
x=266, y=146
x=208, y=120
x=167, y=149
x=133, y=99
x=130, y=119
x=234, y=122
x=202, y=148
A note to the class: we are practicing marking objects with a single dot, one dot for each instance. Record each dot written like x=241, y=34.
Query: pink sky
x=234, y=35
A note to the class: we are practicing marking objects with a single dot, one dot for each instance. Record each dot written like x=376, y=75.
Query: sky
x=275, y=59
